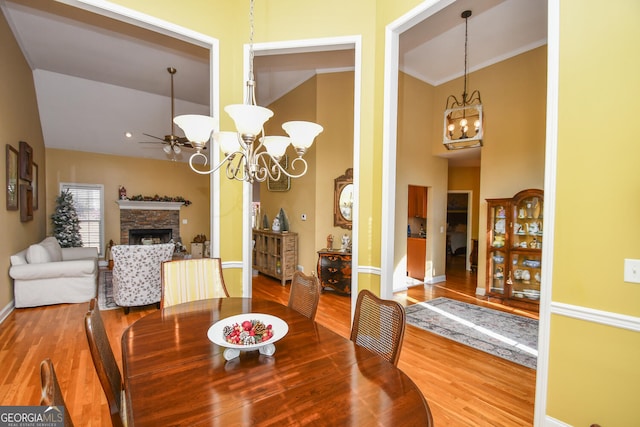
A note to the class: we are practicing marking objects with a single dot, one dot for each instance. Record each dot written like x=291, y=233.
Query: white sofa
x=45, y=274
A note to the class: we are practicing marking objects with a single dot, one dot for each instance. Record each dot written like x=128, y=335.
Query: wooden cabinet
x=275, y=254
x=416, y=256
x=514, y=249
x=334, y=271
x=417, y=203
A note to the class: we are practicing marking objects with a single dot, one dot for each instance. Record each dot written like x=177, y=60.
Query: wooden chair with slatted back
x=378, y=325
x=191, y=280
x=304, y=294
x=105, y=363
x=51, y=393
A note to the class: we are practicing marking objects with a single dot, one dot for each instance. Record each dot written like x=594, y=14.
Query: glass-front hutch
x=514, y=248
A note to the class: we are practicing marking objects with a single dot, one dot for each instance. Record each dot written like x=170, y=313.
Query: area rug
x=105, y=290
x=505, y=335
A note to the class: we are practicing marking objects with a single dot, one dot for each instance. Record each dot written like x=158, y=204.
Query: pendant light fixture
x=463, y=119
x=247, y=157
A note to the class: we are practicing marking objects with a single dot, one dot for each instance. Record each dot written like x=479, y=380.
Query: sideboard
x=334, y=271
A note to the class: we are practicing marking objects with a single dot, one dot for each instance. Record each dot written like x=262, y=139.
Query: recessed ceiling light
x=128, y=134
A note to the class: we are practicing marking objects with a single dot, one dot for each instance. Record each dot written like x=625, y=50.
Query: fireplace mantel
x=150, y=205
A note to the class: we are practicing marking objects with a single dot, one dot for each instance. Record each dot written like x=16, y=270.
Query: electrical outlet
x=632, y=270
x=184, y=221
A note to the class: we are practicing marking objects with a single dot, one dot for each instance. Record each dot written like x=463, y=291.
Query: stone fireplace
x=159, y=221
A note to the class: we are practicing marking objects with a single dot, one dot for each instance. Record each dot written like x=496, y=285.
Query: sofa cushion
x=37, y=254
x=53, y=248
x=20, y=258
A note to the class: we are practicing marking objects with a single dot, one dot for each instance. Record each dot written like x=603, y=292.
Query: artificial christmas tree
x=66, y=226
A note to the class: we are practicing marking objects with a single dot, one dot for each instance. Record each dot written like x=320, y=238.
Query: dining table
x=174, y=375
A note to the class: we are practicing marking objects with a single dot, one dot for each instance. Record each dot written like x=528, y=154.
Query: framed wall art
x=26, y=202
x=12, y=178
x=26, y=160
x=34, y=186
x=282, y=184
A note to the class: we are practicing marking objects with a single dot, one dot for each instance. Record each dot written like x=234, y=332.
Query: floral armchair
x=136, y=273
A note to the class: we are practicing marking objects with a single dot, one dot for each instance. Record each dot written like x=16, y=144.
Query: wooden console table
x=334, y=270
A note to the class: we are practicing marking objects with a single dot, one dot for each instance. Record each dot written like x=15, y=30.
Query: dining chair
x=304, y=294
x=378, y=325
x=136, y=273
x=51, y=393
x=191, y=280
x=105, y=363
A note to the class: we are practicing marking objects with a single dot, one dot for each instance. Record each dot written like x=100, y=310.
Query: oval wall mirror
x=343, y=200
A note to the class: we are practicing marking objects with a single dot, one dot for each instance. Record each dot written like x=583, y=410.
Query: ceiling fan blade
x=151, y=136
x=151, y=142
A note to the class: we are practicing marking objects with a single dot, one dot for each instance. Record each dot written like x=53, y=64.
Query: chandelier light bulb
x=276, y=146
x=463, y=123
x=227, y=141
x=302, y=133
x=196, y=128
x=249, y=119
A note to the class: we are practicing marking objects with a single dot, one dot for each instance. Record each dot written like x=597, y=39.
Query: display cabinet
x=514, y=249
x=275, y=254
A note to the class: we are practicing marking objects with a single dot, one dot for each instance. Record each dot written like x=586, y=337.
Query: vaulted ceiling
x=97, y=78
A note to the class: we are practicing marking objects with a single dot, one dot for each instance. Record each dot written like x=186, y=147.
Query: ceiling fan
x=173, y=143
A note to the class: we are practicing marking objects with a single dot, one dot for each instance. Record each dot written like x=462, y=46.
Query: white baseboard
x=436, y=279
x=481, y=291
x=552, y=422
x=6, y=311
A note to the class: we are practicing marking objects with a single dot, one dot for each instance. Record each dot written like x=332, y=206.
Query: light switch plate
x=632, y=270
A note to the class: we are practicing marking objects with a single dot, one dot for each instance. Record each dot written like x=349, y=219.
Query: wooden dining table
x=174, y=375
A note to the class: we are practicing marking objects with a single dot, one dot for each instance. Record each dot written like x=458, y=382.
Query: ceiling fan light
x=302, y=133
x=249, y=119
x=167, y=149
x=177, y=149
x=196, y=128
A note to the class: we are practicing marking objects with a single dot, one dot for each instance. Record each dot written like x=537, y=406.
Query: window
x=88, y=200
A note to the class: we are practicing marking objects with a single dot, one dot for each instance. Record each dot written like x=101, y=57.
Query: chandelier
x=463, y=121
x=247, y=157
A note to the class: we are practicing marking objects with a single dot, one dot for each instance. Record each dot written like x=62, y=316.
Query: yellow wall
x=415, y=165
x=326, y=99
x=140, y=177
x=20, y=122
x=594, y=375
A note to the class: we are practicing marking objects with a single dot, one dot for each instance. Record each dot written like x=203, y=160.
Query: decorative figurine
x=276, y=224
x=122, y=193
x=345, y=243
x=330, y=241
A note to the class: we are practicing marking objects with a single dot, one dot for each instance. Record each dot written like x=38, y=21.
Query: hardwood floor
x=464, y=387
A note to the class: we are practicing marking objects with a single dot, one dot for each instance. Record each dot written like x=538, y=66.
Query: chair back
x=379, y=325
x=304, y=294
x=104, y=362
x=192, y=280
x=136, y=273
x=51, y=393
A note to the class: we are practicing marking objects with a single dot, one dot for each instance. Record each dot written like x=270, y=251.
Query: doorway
x=459, y=227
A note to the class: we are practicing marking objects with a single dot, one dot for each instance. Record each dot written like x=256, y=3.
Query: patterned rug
x=105, y=290
x=505, y=335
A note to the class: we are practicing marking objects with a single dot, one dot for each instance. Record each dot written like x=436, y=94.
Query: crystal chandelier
x=247, y=157
x=459, y=115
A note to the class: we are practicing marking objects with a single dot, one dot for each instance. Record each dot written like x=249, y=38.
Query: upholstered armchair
x=136, y=273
